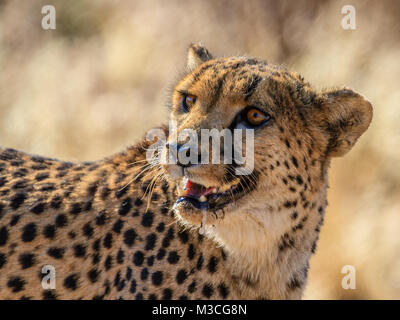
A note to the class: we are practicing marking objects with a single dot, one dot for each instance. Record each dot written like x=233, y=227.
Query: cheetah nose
x=184, y=155
x=183, y=150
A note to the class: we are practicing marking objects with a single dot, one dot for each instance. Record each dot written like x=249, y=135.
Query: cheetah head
x=296, y=130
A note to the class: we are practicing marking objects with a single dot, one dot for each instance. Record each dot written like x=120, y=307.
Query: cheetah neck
x=269, y=248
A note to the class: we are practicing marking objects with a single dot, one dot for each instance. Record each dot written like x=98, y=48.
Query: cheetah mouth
x=213, y=198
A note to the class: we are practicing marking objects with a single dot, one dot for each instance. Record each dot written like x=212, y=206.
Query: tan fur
x=119, y=209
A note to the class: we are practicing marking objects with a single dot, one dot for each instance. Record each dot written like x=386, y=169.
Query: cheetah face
x=295, y=131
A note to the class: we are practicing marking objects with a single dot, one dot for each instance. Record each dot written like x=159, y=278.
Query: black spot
x=88, y=205
x=223, y=290
x=3, y=236
x=95, y=258
x=192, y=287
x=119, y=193
x=71, y=282
x=207, y=290
x=121, y=285
x=191, y=251
x=93, y=275
x=294, y=215
x=16, y=283
x=79, y=250
x=160, y=227
x=26, y=260
x=125, y=207
x=299, y=179
x=286, y=164
x=92, y=189
x=129, y=237
x=287, y=143
x=289, y=204
x=138, y=258
x=101, y=218
x=49, y=231
x=22, y=172
x=161, y=254
x=165, y=209
x=49, y=295
x=144, y=274
x=29, y=232
x=181, y=276
x=47, y=187
x=117, y=279
x=3, y=181
x=147, y=219
x=17, y=200
x=72, y=234
x=169, y=236
x=138, y=202
x=157, y=278
x=200, y=262
x=294, y=284
x=294, y=161
x=42, y=176
x=3, y=260
x=87, y=230
x=96, y=245
x=118, y=226
x=128, y=274
x=76, y=208
x=183, y=236
x=55, y=203
x=173, y=257
x=39, y=167
x=61, y=220
x=20, y=184
x=150, y=261
x=108, y=262
x=56, y=253
x=133, y=288
x=38, y=208
x=150, y=241
x=105, y=192
x=298, y=227
x=314, y=247
x=167, y=294
x=212, y=264
x=14, y=220
x=107, y=242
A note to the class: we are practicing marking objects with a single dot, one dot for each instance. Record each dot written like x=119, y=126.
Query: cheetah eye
x=188, y=101
x=255, y=118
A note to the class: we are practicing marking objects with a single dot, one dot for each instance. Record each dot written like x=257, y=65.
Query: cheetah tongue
x=196, y=190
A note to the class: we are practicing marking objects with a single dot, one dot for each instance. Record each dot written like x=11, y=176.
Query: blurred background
x=95, y=85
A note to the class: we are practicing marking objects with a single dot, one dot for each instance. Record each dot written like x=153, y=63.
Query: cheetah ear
x=343, y=115
x=197, y=55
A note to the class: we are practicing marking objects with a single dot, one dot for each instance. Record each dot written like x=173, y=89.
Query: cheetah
x=125, y=227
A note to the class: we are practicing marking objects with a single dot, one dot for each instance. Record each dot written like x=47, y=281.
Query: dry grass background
x=100, y=80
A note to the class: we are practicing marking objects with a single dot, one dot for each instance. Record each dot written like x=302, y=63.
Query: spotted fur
x=108, y=227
